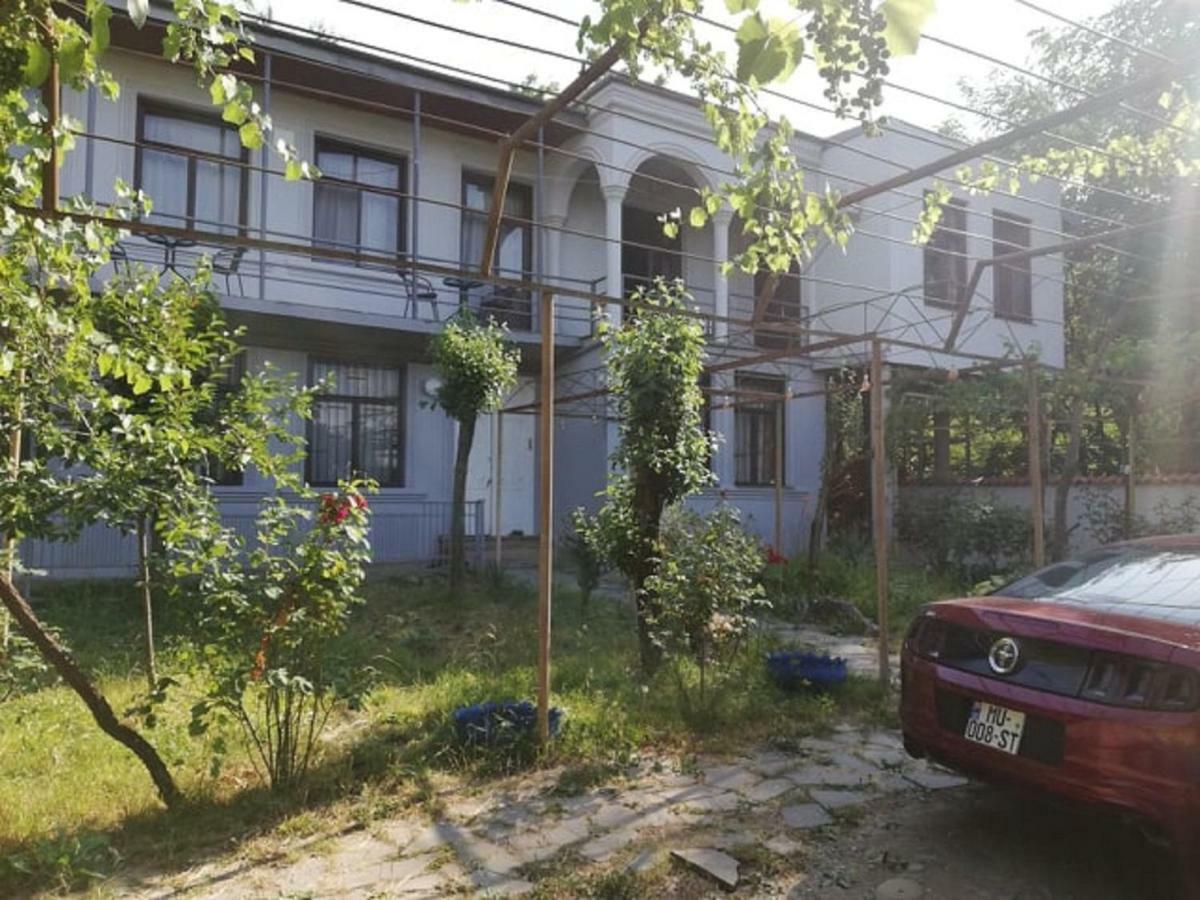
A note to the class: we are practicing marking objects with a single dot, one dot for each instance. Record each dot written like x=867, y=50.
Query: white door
x=519, y=432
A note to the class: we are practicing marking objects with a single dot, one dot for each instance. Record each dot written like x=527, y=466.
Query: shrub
x=267, y=617
x=584, y=555
x=706, y=592
x=953, y=533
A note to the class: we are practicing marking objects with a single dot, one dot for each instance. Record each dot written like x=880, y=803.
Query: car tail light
x=1127, y=681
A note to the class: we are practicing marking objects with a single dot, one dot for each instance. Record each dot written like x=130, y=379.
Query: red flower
x=774, y=558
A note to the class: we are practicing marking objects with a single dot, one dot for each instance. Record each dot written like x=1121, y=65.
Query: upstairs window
x=1012, y=282
x=358, y=205
x=786, y=307
x=357, y=427
x=946, y=256
x=514, y=249
x=756, y=430
x=188, y=163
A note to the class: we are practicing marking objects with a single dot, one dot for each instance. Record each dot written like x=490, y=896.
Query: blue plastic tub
x=795, y=669
x=501, y=722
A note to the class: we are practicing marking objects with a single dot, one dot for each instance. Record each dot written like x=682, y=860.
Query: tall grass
x=62, y=781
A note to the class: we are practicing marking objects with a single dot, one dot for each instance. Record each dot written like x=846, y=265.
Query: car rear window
x=1137, y=580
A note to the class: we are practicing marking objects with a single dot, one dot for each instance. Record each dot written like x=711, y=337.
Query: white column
x=552, y=261
x=614, y=196
x=720, y=229
x=723, y=425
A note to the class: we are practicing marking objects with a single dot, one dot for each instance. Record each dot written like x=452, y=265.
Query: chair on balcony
x=418, y=288
x=228, y=262
x=119, y=257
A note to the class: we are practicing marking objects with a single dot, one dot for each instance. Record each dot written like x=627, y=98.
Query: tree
x=654, y=366
x=1154, y=162
x=478, y=366
x=67, y=387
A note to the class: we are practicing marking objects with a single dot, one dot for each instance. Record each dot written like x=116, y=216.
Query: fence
x=1096, y=506
x=403, y=530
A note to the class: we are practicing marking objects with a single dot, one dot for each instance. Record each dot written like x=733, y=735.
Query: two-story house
x=408, y=156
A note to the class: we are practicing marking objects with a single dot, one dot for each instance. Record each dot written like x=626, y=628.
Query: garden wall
x=1095, y=512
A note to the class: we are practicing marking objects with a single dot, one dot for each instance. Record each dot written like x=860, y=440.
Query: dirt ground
x=988, y=843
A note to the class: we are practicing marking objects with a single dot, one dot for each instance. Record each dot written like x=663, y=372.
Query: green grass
x=73, y=803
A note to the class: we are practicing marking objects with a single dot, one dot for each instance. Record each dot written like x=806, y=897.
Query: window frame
x=400, y=475
x=400, y=160
x=743, y=408
x=777, y=310
x=1020, y=272
x=959, y=260
x=487, y=181
x=151, y=106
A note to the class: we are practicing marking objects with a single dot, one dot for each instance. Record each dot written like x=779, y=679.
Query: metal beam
x=964, y=301
x=1092, y=104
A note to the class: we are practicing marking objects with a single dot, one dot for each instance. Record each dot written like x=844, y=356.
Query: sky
x=999, y=28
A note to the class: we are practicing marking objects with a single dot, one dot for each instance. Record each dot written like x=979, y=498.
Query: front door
x=519, y=433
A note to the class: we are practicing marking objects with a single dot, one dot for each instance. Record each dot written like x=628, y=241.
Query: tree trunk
x=1062, y=487
x=143, y=536
x=458, y=557
x=648, y=503
x=65, y=665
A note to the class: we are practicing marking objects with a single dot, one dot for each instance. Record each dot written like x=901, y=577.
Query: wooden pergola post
x=546, y=515
x=879, y=508
x=1037, y=490
x=498, y=477
x=779, y=420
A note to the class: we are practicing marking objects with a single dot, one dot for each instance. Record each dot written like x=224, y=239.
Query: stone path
x=495, y=843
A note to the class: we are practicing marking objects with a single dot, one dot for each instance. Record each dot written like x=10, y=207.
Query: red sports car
x=1082, y=680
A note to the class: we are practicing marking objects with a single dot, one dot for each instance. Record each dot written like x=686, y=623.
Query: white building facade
x=409, y=157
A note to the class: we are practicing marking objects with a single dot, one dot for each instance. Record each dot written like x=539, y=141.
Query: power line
x=1144, y=51
x=848, y=147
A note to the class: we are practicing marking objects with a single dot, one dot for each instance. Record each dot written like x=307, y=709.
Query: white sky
x=999, y=28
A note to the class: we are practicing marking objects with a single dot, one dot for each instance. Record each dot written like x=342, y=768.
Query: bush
x=266, y=620
x=1104, y=517
x=584, y=555
x=975, y=536
x=706, y=592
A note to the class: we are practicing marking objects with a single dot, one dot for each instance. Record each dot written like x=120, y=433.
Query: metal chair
x=228, y=262
x=416, y=289
x=118, y=256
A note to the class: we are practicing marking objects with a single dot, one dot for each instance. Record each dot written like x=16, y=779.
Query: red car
x=1082, y=680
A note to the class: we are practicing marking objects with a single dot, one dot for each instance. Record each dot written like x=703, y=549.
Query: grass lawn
x=73, y=802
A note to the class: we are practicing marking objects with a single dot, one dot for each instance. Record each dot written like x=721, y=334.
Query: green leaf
x=142, y=383
x=138, y=10
x=767, y=51
x=697, y=217
x=101, y=13
x=235, y=113
x=293, y=170
x=737, y=6
x=251, y=135
x=37, y=64
x=71, y=58
x=905, y=21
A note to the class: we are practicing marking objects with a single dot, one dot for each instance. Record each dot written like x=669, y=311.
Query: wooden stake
x=546, y=514
x=499, y=487
x=779, y=477
x=1037, y=490
x=879, y=507
x=1130, y=477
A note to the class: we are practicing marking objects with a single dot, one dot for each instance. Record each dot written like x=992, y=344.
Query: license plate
x=995, y=727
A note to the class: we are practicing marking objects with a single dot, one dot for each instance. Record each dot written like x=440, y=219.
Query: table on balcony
x=171, y=246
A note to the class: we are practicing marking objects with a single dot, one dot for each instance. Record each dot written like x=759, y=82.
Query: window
x=787, y=306
x=946, y=256
x=356, y=203
x=217, y=470
x=514, y=250
x=756, y=429
x=1012, y=283
x=179, y=165
x=357, y=427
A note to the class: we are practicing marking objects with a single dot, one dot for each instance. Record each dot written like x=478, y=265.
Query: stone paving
x=494, y=844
